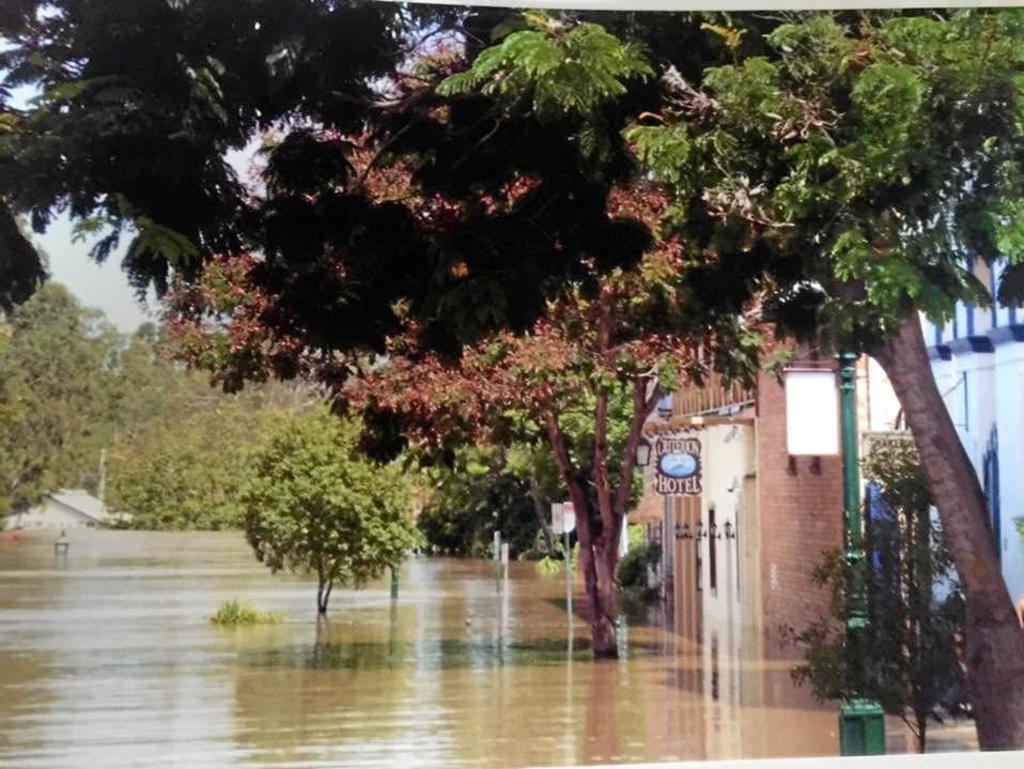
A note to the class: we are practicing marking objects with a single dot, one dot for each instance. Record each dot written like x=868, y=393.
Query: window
x=713, y=550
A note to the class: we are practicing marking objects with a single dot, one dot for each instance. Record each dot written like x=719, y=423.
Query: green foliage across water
x=635, y=566
x=71, y=386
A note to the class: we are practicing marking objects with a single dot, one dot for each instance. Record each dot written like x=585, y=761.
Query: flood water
x=109, y=660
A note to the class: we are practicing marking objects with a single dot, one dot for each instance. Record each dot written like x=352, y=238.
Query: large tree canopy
x=139, y=103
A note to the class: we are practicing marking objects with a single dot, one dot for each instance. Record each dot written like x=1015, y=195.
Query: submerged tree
x=911, y=660
x=313, y=503
x=474, y=491
x=585, y=378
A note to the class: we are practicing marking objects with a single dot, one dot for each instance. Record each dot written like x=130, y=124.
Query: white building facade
x=978, y=362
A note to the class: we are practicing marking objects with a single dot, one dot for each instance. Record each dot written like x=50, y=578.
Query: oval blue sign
x=678, y=464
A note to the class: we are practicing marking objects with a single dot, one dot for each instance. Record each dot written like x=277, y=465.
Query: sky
x=103, y=287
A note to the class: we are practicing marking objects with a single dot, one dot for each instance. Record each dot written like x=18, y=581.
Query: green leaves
x=559, y=72
x=909, y=658
x=667, y=148
x=313, y=503
x=888, y=99
x=748, y=94
x=154, y=239
x=556, y=71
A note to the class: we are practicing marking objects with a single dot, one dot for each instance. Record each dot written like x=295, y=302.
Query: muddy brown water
x=108, y=660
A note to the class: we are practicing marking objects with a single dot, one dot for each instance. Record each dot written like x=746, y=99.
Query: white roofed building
x=64, y=509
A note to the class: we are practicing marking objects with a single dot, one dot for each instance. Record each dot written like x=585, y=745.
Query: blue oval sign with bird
x=678, y=464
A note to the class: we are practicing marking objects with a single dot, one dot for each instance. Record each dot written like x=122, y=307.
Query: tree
x=849, y=173
x=187, y=472
x=313, y=503
x=54, y=395
x=912, y=658
x=476, y=494
x=584, y=378
x=141, y=150
x=834, y=166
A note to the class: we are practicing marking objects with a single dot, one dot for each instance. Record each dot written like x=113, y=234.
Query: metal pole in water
x=394, y=583
x=568, y=578
x=497, y=561
x=504, y=563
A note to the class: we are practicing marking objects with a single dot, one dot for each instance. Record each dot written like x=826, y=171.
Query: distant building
x=64, y=509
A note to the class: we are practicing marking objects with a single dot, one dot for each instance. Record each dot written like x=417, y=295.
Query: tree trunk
x=602, y=626
x=323, y=595
x=603, y=619
x=995, y=644
x=598, y=583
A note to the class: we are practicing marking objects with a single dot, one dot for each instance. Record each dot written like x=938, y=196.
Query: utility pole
x=101, y=486
x=861, y=721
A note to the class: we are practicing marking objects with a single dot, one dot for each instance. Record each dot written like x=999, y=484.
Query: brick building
x=743, y=551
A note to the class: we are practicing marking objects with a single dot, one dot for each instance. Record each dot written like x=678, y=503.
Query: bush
x=467, y=509
x=548, y=566
x=909, y=658
x=634, y=568
x=236, y=613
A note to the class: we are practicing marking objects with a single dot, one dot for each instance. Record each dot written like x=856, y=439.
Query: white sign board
x=812, y=413
x=557, y=516
x=568, y=517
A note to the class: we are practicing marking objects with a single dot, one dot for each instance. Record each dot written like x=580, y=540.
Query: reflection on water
x=109, y=661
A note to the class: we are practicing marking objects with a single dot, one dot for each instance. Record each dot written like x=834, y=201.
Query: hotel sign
x=677, y=470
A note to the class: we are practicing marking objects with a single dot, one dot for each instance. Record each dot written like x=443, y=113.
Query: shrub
x=909, y=658
x=634, y=568
x=235, y=612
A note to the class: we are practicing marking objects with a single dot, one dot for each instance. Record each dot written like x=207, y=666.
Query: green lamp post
x=861, y=721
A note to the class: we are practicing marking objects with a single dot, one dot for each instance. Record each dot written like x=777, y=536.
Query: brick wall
x=800, y=517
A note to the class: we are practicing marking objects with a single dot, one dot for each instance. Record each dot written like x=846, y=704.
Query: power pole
x=101, y=486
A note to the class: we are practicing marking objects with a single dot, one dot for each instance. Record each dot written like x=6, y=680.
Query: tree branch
x=643, y=405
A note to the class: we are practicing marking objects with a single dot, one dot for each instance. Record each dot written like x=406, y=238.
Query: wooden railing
x=711, y=396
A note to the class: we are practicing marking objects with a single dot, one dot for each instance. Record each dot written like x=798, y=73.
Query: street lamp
x=665, y=406
x=814, y=428
x=643, y=453
x=820, y=424
x=861, y=721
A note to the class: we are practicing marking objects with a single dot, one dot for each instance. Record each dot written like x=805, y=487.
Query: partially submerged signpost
x=563, y=518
